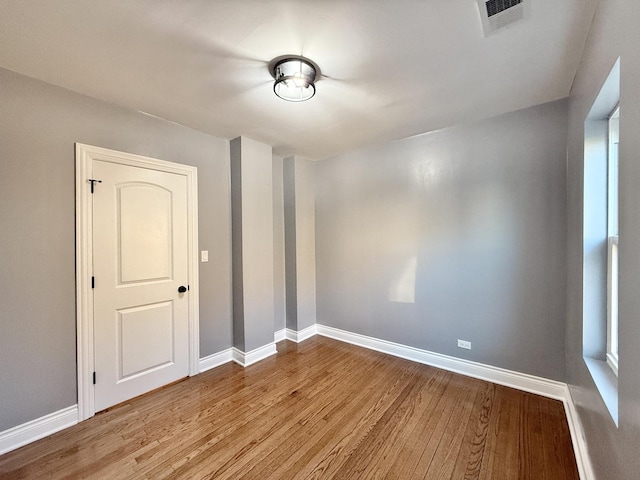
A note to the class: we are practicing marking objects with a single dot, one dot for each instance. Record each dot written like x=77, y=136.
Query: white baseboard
x=301, y=335
x=578, y=439
x=215, y=360
x=508, y=378
x=249, y=358
x=280, y=335
x=521, y=381
x=39, y=428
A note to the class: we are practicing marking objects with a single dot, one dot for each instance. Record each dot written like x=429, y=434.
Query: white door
x=140, y=261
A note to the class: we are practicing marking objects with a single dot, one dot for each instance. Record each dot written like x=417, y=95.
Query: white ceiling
x=391, y=68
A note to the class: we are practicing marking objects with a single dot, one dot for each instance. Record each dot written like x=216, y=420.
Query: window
x=600, y=252
x=612, y=242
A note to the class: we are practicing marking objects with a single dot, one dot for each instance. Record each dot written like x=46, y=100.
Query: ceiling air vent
x=498, y=14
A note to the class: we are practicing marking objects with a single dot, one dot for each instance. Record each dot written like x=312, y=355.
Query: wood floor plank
x=373, y=457
x=405, y=464
x=451, y=434
x=213, y=451
x=313, y=424
x=275, y=426
x=334, y=445
x=471, y=454
x=506, y=461
x=320, y=409
x=557, y=453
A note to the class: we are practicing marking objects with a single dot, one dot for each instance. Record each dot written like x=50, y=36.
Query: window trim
x=612, y=241
x=612, y=303
x=595, y=234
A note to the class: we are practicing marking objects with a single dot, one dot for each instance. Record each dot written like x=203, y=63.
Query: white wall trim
x=39, y=428
x=85, y=155
x=249, y=358
x=585, y=469
x=508, y=378
x=33, y=430
x=280, y=335
x=301, y=335
x=215, y=360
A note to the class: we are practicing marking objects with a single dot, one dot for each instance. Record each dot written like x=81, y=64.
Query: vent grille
x=495, y=7
x=498, y=14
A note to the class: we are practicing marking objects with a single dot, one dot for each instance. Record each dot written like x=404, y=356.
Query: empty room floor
x=318, y=409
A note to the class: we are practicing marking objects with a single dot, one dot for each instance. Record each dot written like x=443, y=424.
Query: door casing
x=85, y=155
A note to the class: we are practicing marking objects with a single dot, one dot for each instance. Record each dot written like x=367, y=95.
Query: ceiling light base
x=294, y=78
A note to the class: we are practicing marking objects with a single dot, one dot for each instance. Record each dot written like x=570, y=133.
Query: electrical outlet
x=464, y=344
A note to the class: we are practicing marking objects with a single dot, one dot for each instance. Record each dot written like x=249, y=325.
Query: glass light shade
x=294, y=79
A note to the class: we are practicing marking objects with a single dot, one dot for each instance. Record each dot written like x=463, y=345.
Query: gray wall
x=305, y=242
x=456, y=234
x=615, y=33
x=39, y=124
x=279, y=311
x=300, y=259
x=252, y=239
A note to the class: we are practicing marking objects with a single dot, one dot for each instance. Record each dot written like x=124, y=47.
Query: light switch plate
x=204, y=256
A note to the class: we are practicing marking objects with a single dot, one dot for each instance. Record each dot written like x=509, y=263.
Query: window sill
x=607, y=384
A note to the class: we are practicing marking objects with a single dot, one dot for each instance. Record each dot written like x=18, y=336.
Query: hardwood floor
x=319, y=409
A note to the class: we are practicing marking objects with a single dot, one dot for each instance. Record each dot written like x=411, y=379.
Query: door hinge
x=93, y=282
x=94, y=378
x=92, y=181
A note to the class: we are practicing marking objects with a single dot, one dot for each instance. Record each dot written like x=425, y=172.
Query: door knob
x=182, y=289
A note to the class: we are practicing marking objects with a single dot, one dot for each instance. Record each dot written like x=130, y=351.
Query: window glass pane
x=614, y=139
x=612, y=227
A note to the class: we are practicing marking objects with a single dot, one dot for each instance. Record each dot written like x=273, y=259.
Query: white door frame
x=85, y=155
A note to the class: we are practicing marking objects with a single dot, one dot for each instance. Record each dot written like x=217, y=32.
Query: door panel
x=145, y=339
x=145, y=218
x=141, y=334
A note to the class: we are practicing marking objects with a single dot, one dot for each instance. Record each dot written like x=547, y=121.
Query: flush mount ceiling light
x=294, y=77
